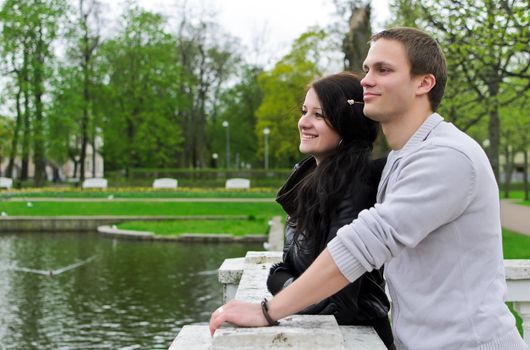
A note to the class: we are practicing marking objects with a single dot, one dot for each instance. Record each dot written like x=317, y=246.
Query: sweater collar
x=417, y=138
x=422, y=133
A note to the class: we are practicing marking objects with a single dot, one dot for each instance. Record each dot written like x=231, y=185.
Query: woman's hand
x=322, y=279
x=238, y=313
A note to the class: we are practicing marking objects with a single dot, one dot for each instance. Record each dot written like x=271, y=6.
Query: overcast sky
x=279, y=22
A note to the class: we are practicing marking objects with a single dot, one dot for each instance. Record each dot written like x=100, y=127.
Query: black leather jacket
x=360, y=301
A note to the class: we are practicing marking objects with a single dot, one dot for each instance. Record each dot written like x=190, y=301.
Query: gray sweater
x=436, y=227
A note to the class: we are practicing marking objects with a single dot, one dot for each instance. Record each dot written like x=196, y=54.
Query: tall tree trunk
x=84, y=127
x=74, y=173
x=14, y=142
x=354, y=43
x=494, y=124
x=508, y=166
x=94, y=150
x=38, y=139
x=494, y=137
x=87, y=49
x=26, y=134
x=525, y=173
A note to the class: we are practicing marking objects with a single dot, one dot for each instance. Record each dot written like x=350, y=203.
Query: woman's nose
x=303, y=122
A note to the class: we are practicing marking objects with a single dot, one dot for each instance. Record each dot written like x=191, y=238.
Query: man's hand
x=238, y=313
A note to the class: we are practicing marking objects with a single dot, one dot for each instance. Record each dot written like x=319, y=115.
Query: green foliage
x=141, y=126
x=284, y=89
x=156, y=92
x=486, y=46
x=63, y=115
x=29, y=30
x=238, y=106
x=6, y=133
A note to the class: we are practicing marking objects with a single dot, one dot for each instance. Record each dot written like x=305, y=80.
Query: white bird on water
x=51, y=272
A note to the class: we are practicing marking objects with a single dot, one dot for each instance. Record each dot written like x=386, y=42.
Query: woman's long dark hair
x=322, y=190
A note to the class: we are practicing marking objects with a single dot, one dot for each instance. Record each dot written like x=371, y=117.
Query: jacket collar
x=286, y=196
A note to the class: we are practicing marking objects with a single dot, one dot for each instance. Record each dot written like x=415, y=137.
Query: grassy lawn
x=515, y=246
x=235, y=227
x=141, y=192
x=516, y=195
x=139, y=208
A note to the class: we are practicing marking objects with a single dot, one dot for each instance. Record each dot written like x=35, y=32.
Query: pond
x=85, y=291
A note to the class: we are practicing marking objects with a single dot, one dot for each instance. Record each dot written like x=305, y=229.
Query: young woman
x=327, y=191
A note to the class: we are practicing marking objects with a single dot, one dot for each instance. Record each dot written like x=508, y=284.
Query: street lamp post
x=266, y=132
x=227, y=126
x=214, y=160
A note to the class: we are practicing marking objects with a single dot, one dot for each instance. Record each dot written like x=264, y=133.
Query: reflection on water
x=83, y=291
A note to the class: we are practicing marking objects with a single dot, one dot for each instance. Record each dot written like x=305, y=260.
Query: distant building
x=63, y=172
x=518, y=168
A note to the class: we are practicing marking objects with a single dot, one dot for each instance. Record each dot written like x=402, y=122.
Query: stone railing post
x=518, y=282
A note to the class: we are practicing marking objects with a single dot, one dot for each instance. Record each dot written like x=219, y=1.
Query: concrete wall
x=79, y=223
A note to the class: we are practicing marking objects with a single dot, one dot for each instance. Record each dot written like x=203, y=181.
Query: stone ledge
x=517, y=269
x=270, y=257
x=231, y=271
x=86, y=223
x=275, y=242
x=115, y=232
x=292, y=333
x=193, y=337
x=197, y=337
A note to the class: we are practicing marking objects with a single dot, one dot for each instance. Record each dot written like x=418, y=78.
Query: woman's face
x=316, y=136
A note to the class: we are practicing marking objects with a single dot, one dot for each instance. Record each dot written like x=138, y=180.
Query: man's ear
x=426, y=83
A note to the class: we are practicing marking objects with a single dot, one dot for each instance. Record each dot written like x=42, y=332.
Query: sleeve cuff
x=348, y=265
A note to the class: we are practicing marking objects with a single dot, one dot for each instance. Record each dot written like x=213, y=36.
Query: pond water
x=85, y=291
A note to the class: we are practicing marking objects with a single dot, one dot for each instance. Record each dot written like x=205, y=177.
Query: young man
x=435, y=226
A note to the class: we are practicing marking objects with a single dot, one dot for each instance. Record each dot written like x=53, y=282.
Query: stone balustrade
x=244, y=279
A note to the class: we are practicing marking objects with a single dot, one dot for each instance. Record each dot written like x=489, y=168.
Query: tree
x=139, y=94
x=284, y=91
x=514, y=140
x=64, y=115
x=355, y=42
x=6, y=131
x=31, y=27
x=16, y=58
x=88, y=40
x=355, y=46
x=487, y=45
x=209, y=58
x=238, y=106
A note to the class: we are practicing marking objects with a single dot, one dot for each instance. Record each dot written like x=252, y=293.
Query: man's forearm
x=321, y=280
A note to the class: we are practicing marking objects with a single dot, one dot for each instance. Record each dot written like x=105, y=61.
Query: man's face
x=389, y=89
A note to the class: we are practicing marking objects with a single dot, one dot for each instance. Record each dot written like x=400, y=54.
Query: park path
x=515, y=217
